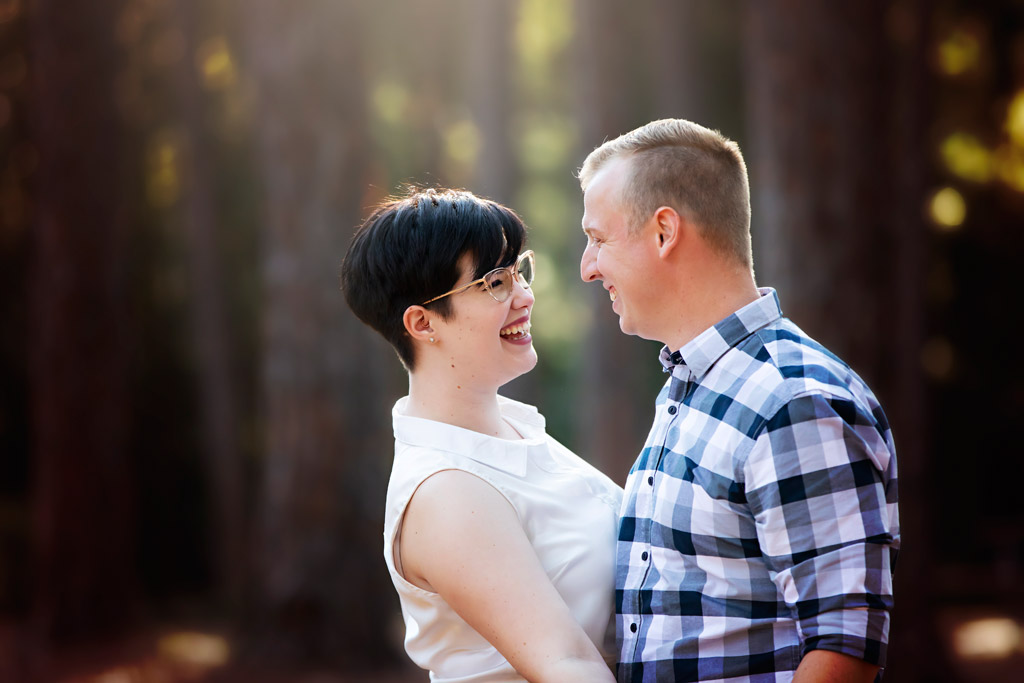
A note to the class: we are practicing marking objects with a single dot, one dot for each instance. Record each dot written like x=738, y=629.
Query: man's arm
x=463, y=540
x=817, y=484
x=831, y=667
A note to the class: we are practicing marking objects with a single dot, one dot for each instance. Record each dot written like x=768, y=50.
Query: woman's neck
x=460, y=404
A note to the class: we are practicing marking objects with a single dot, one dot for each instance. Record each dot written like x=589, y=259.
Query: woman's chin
x=526, y=361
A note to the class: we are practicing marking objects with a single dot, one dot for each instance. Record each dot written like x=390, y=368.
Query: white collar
x=503, y=454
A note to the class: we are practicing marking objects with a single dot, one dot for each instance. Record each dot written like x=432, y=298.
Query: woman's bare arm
x=463, y=540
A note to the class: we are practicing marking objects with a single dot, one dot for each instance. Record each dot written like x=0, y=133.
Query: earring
x=431, y=340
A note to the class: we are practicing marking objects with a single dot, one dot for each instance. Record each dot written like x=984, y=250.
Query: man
x=759, y=527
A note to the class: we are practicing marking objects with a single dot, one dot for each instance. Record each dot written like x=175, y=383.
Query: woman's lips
x=518, y=332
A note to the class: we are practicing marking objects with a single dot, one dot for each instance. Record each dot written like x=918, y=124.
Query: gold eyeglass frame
x=513, y=270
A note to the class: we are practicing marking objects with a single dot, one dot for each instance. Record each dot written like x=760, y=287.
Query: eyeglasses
x=500, y=281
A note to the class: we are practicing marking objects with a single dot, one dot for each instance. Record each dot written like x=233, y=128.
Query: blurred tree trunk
x=489, y=93
x=83, y=495
x=621, y=374
x=227, y=540
x=837, y=110
x=327, y=384
x=682, y=87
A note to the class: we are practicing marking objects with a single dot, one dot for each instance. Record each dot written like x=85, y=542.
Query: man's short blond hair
x=696, y=171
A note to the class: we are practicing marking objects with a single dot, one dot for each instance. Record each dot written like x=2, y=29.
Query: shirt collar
x=704, y=350
x=502, y=454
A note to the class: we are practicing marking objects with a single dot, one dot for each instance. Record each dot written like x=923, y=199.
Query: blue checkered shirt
x=760, y=520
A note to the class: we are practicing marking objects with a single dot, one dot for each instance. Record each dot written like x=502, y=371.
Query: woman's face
x=486, y=342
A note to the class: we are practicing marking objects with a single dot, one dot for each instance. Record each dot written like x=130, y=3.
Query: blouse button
x=632, y=627
x=671, y=410
x=650, y=480
x=644, y=556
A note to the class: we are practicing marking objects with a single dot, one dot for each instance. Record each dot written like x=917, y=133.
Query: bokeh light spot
x=947, y=209
x=546, y=143
x=543, y=30
x=198, y=649
x=959, y=53
x=390, y=101
x=462, y=143
x=1015, y=119
x=163, y=183
x=989, y=638
x=1009, y=164
x=558, y=318
x=966, y=157
x=216, y=64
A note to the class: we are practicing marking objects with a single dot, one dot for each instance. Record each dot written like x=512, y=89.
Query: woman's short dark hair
x=408, y=251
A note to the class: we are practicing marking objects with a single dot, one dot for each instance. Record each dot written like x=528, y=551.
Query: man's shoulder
x=779, y=362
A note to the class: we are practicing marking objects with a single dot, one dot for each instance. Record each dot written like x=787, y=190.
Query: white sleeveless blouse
x=568, y=509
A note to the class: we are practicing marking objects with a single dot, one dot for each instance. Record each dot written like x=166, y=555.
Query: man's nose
x=588, y=265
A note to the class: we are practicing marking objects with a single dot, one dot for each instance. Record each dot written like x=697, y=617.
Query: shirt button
x=671, y=410
x=650, y=480
x=632, y=627
x=644, y=556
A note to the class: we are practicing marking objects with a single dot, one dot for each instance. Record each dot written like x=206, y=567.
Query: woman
x=500, y=542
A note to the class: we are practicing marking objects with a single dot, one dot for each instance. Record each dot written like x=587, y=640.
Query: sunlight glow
x=947, y=209
x=959, y=53
x=197, y=649
x=966, y=157
x=991, y=638
x=216, y=64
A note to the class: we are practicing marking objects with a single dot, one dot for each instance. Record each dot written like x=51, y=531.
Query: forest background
x=195, y=431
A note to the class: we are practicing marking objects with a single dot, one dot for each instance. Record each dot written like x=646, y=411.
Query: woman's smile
x=518, y=332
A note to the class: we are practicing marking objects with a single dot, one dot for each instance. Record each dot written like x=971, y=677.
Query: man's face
x=615, y=255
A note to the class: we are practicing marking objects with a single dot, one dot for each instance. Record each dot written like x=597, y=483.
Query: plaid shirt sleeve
x=816, y=483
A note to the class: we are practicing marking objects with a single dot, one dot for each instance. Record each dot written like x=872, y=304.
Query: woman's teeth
x=612, y=294
x=516, y=331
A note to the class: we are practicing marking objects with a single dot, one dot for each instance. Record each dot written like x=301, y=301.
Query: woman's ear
x=417, y=321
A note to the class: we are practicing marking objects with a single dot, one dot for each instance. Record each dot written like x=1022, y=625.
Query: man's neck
x=707, y=302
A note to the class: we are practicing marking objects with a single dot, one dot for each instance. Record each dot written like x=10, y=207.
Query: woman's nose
x=522, y=295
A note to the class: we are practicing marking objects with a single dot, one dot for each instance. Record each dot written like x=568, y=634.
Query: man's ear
x=669, y=229
x=417, y=321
